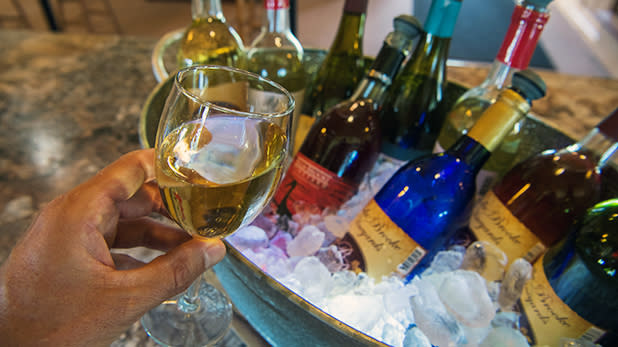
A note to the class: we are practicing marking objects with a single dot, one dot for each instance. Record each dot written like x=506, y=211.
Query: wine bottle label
x=276, y=4
x=548, y=317
x=306, y=181
x=522, y=37
x=384, y=247
x=491, y=221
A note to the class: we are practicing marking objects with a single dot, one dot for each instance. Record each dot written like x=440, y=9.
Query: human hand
x=61, y=285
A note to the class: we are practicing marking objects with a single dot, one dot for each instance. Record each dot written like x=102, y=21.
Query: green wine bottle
x=277, y=54
x=412, y=116
x=573, y=290
x=344, y=65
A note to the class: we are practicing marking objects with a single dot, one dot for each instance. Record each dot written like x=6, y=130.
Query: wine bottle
x=533, y=205
x=412, y=117
x=424, y=203
x=343, y=145
x=344, y=65
x=528, y=20
x=574, y=287
x=277, y=54
x=209, y=39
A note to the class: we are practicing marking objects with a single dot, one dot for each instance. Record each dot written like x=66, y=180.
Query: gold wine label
x=491, y=221
x=498, y=120
x=549, y=318
x=385, y=248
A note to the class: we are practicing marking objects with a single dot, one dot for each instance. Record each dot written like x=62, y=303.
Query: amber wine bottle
x=535, y=203
x=342, y=146
x=575, y=284
x=428, y=199
x=209, y=39
x=344, y=65
x=412, y=116
x=528, y=20
x=277, y=54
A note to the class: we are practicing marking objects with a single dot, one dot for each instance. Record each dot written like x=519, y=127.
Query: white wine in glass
x=221, y=150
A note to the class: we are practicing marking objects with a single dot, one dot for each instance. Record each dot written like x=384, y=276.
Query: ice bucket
x=282, y=317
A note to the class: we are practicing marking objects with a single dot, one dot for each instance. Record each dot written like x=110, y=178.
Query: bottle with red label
x=343, y=145
x=528, y=20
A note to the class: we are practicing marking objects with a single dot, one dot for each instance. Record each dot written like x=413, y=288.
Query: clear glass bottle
x=209, y=39
x=343, y=145
x=412, y=117
x=534, y=204
x=277, y=54
x=528, y=20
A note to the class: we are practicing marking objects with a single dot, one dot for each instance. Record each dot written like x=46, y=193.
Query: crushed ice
x=450, y=304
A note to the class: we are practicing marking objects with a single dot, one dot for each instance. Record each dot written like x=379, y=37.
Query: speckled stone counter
x=70, y=104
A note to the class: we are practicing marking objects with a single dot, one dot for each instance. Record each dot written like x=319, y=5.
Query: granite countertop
x=70, y=105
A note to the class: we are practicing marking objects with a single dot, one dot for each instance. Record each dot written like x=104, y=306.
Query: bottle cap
x=408, y=25
x=609, y=125
x=529, y=84
x=355, y=6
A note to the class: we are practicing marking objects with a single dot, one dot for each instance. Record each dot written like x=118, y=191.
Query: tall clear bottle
x=427, y=200
x=343, y=145
x=277, y=54
x=534, y=204
x=209, y=39
x=575, y=284
x=412, y=116
x=528, y=20
x=344, y=65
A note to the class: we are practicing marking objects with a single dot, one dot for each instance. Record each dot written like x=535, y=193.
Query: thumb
x=171, y=273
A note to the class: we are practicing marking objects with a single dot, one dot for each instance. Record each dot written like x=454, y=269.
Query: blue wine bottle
x=419, y=209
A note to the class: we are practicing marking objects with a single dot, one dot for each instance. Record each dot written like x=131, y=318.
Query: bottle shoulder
x=276, y=40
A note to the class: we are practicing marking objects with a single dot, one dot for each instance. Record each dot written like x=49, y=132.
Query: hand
x=61, y=286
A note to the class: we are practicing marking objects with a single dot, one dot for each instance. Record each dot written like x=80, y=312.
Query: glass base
x=177, y=323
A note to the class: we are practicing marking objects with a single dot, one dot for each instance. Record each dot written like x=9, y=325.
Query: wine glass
x=221, y=151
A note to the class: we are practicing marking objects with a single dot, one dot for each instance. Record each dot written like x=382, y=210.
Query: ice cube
x=281, y=240
x=232, y=153
x=415, y=337
x=249, y=237
x=306, y=243
x=314, y=278
x=359, y=311
x=506, y=337
x=337, y=225
x=486, y=259
x=464, y=294
x=445, y=261
x=332, y=258
x=432, y=317
x=343, y=282
x=519, y=272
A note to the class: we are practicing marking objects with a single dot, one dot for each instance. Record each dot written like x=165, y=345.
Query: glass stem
x=189, y=301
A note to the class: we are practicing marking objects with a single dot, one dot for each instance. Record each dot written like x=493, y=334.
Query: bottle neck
x=470, y=151
x=350, y=33
x=430, y=57
x=598, y=144
x=527, y=24
x=206, y=8
x=500, y=75
x=277, y=16
x=498, y=119
x=442, y=17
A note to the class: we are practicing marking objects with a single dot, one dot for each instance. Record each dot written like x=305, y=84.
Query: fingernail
x=214, y=253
